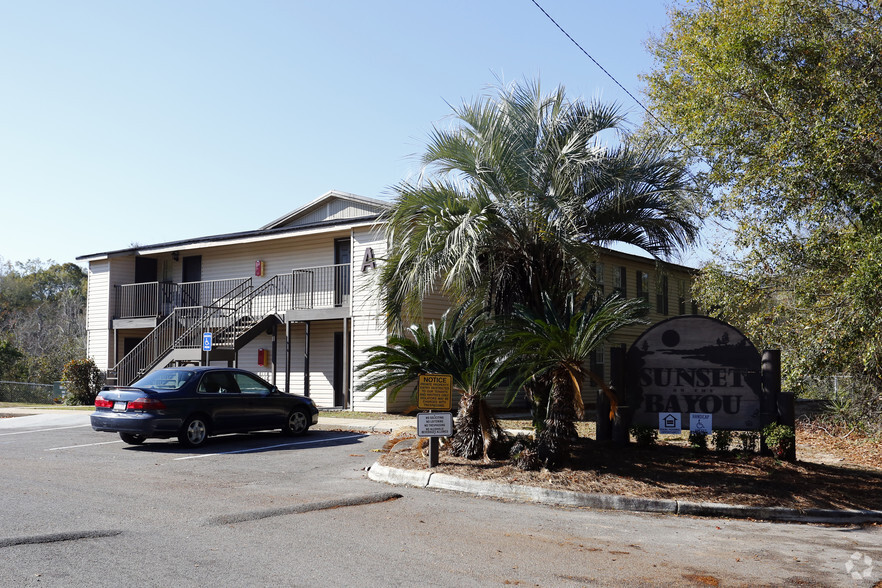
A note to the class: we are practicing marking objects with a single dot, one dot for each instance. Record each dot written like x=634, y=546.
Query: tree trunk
x=476, y=428
x=560, y=425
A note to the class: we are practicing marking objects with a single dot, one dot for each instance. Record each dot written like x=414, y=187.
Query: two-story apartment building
x=293, y=301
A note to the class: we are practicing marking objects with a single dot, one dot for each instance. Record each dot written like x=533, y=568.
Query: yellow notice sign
x=435, y=392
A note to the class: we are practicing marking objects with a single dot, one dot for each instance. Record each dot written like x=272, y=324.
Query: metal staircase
x=234, y=319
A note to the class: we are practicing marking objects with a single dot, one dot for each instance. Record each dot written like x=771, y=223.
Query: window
x=661, y=295
x=217, y=383
x=643, y=285
x=250, y=385
x=681, y=296
x=599, y=279
x=598, y=361
x=620, y=281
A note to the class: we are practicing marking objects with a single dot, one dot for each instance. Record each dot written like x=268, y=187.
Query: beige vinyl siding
x=247, y=358
x=368, y=328
x=626, y=336
x=280, y=256
x=333, y=210
x=98, y=301
x=298, y=345
x=100, y=306
x=321, y=359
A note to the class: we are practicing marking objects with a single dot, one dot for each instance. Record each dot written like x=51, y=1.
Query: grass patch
x=45, y=406
x=354, y=414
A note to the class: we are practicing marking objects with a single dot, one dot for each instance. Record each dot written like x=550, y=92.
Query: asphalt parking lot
x=82, y=508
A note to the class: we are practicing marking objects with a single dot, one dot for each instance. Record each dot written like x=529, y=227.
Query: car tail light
x=146, y=404
x=101, y=402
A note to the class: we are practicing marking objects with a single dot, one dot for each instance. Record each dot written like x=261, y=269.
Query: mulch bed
x=675, y=472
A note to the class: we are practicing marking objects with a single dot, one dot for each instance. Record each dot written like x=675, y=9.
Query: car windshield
x=165, y=379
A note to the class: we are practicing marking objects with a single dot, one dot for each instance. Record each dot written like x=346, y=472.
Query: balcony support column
x=306, y=360
x=287, y=356
x=347, y=388
x=273, y=352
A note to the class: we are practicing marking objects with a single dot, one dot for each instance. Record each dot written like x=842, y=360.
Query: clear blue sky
x=143, y=122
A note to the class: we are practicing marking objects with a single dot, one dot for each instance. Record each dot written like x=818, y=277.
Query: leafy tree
x=42, y=313
x=9, y=355
x=467, y=349
x=557, y=344
x=781, y=102
x=82, y=380
x=517, y=194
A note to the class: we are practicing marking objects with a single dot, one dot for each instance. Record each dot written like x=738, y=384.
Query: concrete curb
x=438, y=481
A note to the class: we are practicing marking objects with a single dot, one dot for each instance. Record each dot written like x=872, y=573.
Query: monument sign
x=695, y=364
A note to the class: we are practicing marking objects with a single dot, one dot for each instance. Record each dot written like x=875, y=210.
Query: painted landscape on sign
x=695, y=364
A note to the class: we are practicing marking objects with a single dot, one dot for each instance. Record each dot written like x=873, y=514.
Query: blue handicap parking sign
x=206, y=341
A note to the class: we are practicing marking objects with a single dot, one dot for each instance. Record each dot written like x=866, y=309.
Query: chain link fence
x=852, y=399
x=31, y=393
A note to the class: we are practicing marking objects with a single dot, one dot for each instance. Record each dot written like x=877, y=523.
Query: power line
x=603, y=69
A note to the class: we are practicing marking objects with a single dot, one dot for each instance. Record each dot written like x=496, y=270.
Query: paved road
x=81, y=508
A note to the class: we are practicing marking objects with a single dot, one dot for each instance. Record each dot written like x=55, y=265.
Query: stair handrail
x=180, y=323
x=261, y=302
x=154, y=346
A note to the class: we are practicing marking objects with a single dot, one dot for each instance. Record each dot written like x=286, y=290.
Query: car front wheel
x=297, y=424
x=132, y=439
x=194, y=432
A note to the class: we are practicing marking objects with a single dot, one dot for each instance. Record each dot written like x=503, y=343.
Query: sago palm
x=555, y=345
x=467, y=349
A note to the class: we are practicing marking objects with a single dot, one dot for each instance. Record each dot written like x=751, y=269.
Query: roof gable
x=333, y=206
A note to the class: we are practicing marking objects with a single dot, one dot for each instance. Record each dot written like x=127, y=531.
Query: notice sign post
x=435, y=392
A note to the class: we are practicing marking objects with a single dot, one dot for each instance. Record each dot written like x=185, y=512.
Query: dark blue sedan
x=191, y=403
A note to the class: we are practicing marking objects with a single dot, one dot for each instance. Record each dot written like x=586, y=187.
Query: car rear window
x=165, y=380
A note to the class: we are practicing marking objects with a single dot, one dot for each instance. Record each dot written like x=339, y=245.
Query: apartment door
x=339, y=376
x=145, y=270
x=145, y=301
x=191, y=275
x=343, y=259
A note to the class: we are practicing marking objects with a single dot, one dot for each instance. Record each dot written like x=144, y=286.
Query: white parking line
x=44, y=430
x=86, y=445
x=262, y=448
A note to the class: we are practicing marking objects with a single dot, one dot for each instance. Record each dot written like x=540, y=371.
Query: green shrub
x=645, y=436
x=722, y=440
x=780, y=439
x=698, y=440
x=748, y=440
x=82, y=381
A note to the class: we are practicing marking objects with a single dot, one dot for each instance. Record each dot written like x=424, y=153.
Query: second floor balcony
x=303, y=289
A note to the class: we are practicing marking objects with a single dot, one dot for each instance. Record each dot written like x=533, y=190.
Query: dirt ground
x=834, y=469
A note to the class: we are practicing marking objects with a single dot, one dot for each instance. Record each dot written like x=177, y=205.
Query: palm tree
x=470, y=351
x=515, y=197
x=556, y=343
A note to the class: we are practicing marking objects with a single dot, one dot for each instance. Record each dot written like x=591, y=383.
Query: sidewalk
x=364, y=425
